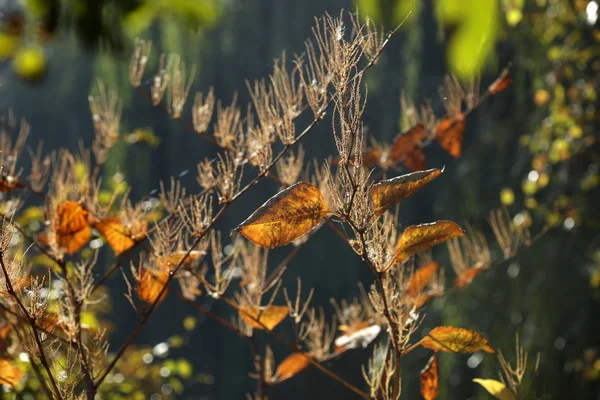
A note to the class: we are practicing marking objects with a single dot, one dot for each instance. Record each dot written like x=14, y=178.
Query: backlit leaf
x=455, y=340
x=450, y=132
x=430, y=380
x=286, y=216
x=292, y=365
x=420, y=237
x=72, y=228
x=495, y=388
x=421, y=278
x=358, y=335
x=150, y=284
x=387, y=193
x=180, y=257
x=268, y=317
x=407, y=148
x=465, y=278
x=9, y=374
x=118, y=236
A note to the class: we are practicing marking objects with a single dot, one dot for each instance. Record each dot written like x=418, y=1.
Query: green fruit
x=30, y=63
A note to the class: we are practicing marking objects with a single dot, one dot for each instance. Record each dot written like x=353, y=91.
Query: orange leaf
x=286, y=216
x=387, y=193
x=465, y=278
x=407, y=148
x=180, y=257
x=422, y=299
x=421, y=278
x=72, y=228
x=450, y=132
x=455, y=340
x=150, y=285
x=358, y=335
x=503, y=81
x=430, y=379
x=9, y=374
x=8, y=183
x=119, y=237
x=292, y=365
x=261, y=318
x=420, y=237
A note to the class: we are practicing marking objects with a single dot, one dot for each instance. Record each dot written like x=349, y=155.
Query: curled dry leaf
x=150, y=285
x=72, y=228
x=9, y=374
x=420, y=237
x=180, y=257
x=430, y=379
x=407, y=148
x=387, y=193
x=291, y=366
x=455, y=340
x=465, y=278
x=357, y=335
x=286, y=216
x=450, y=132
x=495, y=388
x=421, y=278
x=118, y=236
x=261, y=318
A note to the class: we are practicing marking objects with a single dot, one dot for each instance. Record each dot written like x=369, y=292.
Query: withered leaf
x=503, y=81
x=9, y=374
x=150, y=285
x=407, y=148
x=430, y=380
x=119, y=237
x=261, y=318
x=9, y=183
x=421, y=278
x=450, y=132
x=180, y=257
x=455, y=340
x=465, y=278
x=72, y=228
x=286, y=216
x=495, y=388
x=358, y=335
x=387, y=193
x=292, y=365
x=420, y=237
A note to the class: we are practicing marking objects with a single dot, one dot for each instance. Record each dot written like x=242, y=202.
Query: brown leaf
x=180, y=257
x=455, y=340
x=420, y=237
x=407, y=148
x=387, y=193
x=465, y=278
x=72, y=228
x=9, y=183
x=503, y=81
x=286, y=216
x=421, y=278
x=261, y=318
x=430, y=380
x=119, y=237
x=292, y=365
x=450, y=132
x=9, y=374
x=150, y=284
x=358, y=335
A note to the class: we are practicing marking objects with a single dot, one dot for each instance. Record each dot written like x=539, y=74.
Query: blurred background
x=532, y=148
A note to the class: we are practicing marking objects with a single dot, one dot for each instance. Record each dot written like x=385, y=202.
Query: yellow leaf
x=119, y=237
x=420, y=237
x=387, y=193
x=150, y=284
x=455, y=340
x=495, y=388
x=291, y=366
x=421, y=278
x=71, y=226
x=261, y=318
x=9, y=374
x=430, y=380
x=286, y=216
x=180, y=257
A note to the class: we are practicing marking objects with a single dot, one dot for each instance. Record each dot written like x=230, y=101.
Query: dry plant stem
x=38, y=341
